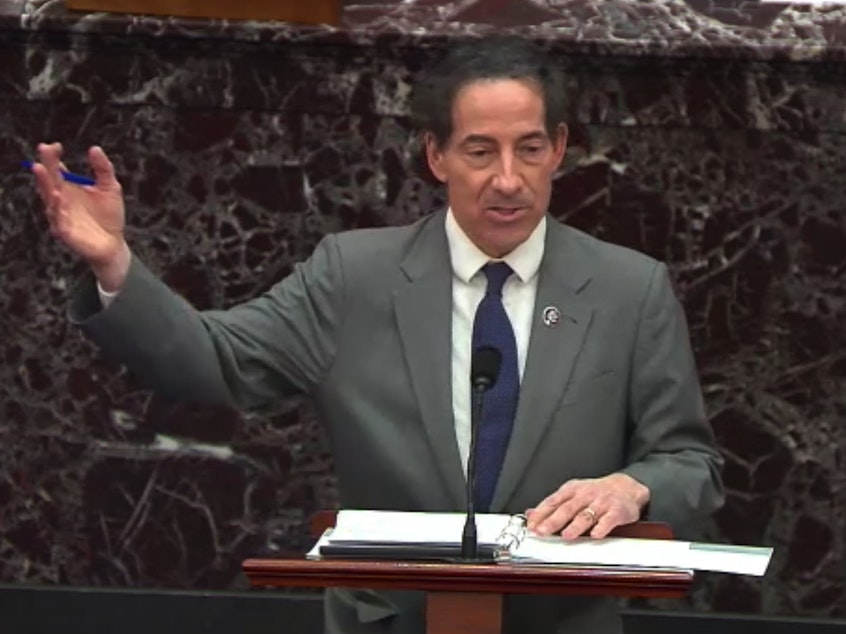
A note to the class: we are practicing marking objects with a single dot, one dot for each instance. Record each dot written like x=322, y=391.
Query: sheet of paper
x=400, y=526
x=652, y=553
x=314, y=553
x=742, y=560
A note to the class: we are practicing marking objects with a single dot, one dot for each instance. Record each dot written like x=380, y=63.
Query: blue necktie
x=491, y=327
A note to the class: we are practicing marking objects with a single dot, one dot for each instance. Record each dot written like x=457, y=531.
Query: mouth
x=506, y=211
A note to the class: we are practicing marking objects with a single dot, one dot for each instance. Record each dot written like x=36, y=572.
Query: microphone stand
x=469, y=537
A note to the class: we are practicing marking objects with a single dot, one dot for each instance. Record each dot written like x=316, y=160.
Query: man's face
x=498, y=163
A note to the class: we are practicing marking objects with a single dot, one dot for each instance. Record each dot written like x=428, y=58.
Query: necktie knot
x=497, y=273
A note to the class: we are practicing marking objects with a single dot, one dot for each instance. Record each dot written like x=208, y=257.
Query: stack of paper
x=442, y=528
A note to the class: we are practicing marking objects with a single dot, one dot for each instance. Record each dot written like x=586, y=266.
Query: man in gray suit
x=606, y=424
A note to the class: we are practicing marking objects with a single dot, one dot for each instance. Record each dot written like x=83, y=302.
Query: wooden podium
x=467, y=598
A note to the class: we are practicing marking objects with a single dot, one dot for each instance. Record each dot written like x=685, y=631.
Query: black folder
x=409, y=551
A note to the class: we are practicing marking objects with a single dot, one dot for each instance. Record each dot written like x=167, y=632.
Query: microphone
x=484, y=370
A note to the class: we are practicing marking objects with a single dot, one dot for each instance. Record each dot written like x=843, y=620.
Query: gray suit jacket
x=364, y=327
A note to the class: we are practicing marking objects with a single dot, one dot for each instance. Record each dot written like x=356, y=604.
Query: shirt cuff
x=106, y=298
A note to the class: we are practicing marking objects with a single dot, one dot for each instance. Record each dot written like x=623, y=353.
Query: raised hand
x=89, y=219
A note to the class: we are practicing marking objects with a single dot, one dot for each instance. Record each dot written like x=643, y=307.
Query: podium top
x=464, y=577
x=448, y=577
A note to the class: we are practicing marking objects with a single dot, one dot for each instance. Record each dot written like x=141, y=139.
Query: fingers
x=606, y=523
x=51, y=186
x=43, y=184
x=50, y=196
x=52, y=199
x=581, y=507
x=104, y=171
x=581, y=523
x=50, y=156
x=58, y=217
x=48, y=179
x=559, y=509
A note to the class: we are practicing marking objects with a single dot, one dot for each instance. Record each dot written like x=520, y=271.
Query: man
x=596, y=419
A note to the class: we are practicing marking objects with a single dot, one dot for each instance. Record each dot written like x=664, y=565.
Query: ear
x=559, y=144
x=435, y=157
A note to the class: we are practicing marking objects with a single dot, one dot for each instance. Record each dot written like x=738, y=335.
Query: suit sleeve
x=671, y=447
x=277, y=345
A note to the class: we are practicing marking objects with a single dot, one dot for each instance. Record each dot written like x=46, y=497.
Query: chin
x=501, y=247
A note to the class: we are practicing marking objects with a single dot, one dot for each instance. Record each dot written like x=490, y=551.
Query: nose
x=507, y=180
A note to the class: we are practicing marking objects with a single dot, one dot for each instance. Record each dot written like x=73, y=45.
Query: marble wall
x=709, y=135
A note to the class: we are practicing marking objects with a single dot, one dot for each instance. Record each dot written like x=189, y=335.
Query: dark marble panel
x=105, y=484
x=672, y=28
x=759, y=264
x=131, y=491
x=241, y=145
x=335, y=79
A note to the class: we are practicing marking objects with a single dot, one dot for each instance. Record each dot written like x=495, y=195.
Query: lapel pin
x=551, y=316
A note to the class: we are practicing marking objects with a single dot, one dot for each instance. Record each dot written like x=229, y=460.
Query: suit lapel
x=423, y=307
x=553, y=351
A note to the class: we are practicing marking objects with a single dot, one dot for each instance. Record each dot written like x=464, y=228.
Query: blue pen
x=76, y=179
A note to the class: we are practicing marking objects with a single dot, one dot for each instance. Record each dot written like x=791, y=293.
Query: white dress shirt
x=468, y=289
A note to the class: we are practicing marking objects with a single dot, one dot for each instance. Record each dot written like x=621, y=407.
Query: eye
x=479, y=153
x=532, y=150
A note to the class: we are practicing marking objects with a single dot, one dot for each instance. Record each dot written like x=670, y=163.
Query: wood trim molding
x=306, y=12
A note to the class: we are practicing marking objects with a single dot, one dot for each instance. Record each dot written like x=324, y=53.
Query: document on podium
x=417, y=535
x=505, y=538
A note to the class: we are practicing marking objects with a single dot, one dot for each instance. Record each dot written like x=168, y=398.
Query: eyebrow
x=537, y=135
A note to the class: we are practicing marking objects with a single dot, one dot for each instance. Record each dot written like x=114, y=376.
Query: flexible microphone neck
x=483, y=374
x=469, y=538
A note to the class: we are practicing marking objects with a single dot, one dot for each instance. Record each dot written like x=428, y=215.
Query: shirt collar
x=467, y=259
